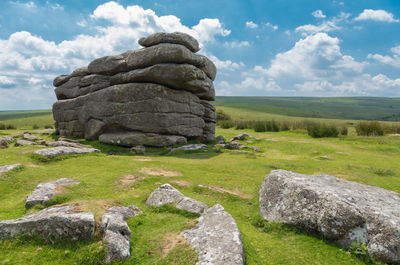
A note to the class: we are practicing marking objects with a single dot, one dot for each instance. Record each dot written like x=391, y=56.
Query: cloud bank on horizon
x=321, y=50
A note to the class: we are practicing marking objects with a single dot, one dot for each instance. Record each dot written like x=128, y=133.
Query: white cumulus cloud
x=318, y=14
x=377, y=15
x=393, y=60
x=251, y=25
x=325, y=26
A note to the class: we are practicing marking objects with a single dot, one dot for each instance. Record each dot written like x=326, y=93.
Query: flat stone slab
x=216, y=238
x=337, y=209
x=51, y=223
x=7, y=168
x=116, y=232
x=176, y=37
x=24, y=142
x=138, y=138
x=30, y=137
x=167, y=194
x=64, y=150
x=47, y=190
x=189, y=147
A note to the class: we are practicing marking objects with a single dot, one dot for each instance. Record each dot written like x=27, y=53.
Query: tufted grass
x=368, y=160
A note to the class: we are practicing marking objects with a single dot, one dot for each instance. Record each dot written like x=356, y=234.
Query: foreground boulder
x=155, y=96
x=216, y=238
x=46, y=191
x=64, y=150
x=59, y=223
x=166, y=194
x=340, y=210
x=116, y=232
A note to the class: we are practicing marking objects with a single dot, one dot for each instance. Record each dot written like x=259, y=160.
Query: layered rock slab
x=216, y=238
x=64, y=150
x=166, y=194
x=168, y=60
x=59, y=223
x=116, y=232
x=7, y=168
x=340, y=210
x=47, y=190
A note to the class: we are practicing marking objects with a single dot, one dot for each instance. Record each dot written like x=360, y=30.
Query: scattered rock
x=63, y=150
x=216, y=238
x=30, y=137
x=59, y=223
x=220, y=139
x=256, y=149
x=5, y=141
x=47, y=190
x=339, y=210
x=325, y=157
x=239, y=137
x=138, y=150
x=116, y=232
x=114, y=97
x=156, y=171
x=235, y=146
x=64, y=143
x=190, y=147
x=168, y=194
x=7, y=168
x=24, y=142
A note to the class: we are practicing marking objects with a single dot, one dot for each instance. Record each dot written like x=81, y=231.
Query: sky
x=261, y=48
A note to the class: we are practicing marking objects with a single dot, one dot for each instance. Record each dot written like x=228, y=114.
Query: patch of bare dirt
x=156, y=171
x=33, y=165
x=128, y=180
x=171, y=241
x=182, y=183
x=235, y=192
x=144, y=159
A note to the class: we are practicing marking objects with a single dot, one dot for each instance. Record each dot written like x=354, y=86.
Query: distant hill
x=357, y=108
x=9, y=115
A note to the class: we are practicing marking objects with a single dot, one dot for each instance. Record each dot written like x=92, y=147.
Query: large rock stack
x=158, y=96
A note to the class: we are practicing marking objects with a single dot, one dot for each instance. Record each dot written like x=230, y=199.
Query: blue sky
x=261, y=48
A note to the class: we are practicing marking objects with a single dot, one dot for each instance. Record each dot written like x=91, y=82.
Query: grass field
x=105, y=181
x=352, y=108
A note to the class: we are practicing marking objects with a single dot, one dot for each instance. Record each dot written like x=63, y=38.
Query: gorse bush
x=222, y=116
x=7, y=126
x=369, y=128
x=319, y=130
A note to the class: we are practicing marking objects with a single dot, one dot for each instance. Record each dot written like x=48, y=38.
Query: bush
x=369, y=128
x=2, y=126
x=319, y=130
x=48, y=126
x=226, y=124
x=343, y=131
x=10, y=127
x=35, y=127
x=222, y=116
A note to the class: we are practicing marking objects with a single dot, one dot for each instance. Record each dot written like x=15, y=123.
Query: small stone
x=138, y=150
x=239, y=137
x=189, y=147
x=256, y=149
x=220, y=139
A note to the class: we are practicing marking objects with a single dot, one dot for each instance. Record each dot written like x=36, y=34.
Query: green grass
x=368, y=160
x=352, y=108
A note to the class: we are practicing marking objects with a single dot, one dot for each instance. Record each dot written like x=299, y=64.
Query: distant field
x=352, y=108
x=8, y=115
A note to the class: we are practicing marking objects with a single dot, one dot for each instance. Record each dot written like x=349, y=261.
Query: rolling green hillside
x=354, y=108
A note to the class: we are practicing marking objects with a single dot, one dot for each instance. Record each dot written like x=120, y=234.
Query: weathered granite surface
x=64, y=150
x=340, y=210
x=156, y=96
x=216, y=238
x=168, y=194
x=7, y=168
x=59, y=223
x=47, y=190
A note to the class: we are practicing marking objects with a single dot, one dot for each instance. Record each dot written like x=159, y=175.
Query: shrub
x=343, y=131
x=226, y=124
x=222, y=116
x=369, y=128
x=2, y=126
x=35, y=127
x=48, y=126
x=10, y=127
x=318, y=130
